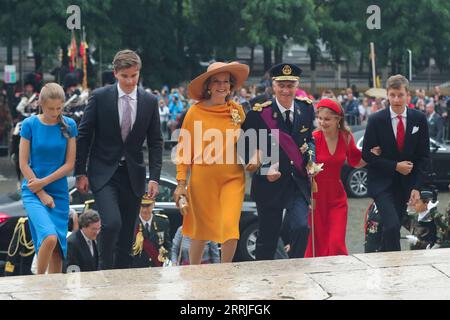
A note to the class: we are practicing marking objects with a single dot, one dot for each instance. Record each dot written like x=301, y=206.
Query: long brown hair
x=54, y=91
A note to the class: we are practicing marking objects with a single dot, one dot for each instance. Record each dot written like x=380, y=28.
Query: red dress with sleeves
x=330, y=214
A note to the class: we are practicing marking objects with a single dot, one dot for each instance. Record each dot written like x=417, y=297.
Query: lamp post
x=410, y=63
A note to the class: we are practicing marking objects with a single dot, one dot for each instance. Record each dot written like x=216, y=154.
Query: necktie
x=147, y=227
x=126, y=118
x=400, y=133
x=91, y=248
x=287, y=120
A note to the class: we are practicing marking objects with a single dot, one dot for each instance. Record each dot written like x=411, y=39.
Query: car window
x=165, y=192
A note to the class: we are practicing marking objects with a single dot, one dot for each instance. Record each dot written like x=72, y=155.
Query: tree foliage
x=174, y=36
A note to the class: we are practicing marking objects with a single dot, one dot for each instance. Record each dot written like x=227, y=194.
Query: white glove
x=432, y=205
x=273, y=174
x=412, y=239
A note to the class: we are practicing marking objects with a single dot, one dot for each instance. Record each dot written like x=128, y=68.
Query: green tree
x=272, y=23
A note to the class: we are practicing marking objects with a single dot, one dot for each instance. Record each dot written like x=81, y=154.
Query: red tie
x=400, y=134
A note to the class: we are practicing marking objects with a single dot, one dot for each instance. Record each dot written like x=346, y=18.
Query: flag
x=72, y=52
x=84, y=56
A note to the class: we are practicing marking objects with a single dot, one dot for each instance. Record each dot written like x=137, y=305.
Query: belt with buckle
x=122, y=163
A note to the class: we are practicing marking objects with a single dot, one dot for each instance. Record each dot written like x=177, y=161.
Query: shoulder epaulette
x=259, y=106
x=87, y=204
x=161, y=215
x=304, y=99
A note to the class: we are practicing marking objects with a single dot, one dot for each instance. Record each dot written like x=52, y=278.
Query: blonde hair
x=126, y=59
x=53, y=91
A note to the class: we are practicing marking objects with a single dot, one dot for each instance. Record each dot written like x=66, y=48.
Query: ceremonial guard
x=27, y=106
x=152, y=243
x=429, y=227
x=76, y=97
x=284, y=126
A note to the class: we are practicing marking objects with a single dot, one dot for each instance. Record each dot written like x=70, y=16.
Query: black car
x=355, y=179
x=12, y=209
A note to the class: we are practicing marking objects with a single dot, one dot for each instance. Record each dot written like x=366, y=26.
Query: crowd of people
x=295, y=168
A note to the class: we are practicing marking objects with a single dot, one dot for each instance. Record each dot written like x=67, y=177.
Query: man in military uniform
x=152, y=243
x=76, y=97
x=27, y=105
x=429, y=227
x=280, y=179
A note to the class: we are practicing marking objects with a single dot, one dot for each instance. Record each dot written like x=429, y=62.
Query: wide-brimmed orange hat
x=238, y=70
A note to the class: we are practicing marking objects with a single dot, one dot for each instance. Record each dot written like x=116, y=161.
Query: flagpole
x=85, y=47
x=313, y=234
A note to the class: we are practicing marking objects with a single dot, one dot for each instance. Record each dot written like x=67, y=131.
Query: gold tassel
x=162, y=257
x=139, y=243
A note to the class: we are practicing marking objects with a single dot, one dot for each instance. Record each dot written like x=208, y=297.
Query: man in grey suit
x=435, y=123
x=115, y=124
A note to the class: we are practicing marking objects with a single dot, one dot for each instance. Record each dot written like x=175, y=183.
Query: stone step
x=394, y=275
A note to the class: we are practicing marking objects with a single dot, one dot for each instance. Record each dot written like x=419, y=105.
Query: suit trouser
x=270, y=220
x=391, y=206
x=118, y=207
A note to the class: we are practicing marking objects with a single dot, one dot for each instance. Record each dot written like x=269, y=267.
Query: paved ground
x=357, y=207
x=423, y=274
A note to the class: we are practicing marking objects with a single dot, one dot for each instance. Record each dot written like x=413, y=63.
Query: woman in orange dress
x=207, y=148
x=334, y=146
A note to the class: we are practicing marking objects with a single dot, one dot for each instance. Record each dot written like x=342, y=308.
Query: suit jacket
x=278, y=194
x=100, y=140
x=158, y=237
x=79, y=254
x=381, y=169
x=436, y=127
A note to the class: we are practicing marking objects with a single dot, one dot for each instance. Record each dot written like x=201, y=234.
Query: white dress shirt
x=144, y=222
x=283, y=110
x=121, y=104
x=89, y=243
x=394, y=120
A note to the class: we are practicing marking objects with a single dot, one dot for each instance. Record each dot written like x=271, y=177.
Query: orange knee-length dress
x=216, y=186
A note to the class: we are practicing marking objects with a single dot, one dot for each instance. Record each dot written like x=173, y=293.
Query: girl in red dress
x=334, y=145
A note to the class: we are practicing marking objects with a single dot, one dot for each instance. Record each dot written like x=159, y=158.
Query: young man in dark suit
x=396, y=176
x=82, y=253
x=116, y=121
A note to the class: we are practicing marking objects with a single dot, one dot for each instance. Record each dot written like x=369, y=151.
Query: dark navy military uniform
x=292, y=191
x=157, y=243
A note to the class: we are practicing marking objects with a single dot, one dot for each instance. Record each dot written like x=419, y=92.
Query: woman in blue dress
x=47, y=156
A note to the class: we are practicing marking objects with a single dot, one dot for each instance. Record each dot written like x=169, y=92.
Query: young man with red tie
x=395, y=176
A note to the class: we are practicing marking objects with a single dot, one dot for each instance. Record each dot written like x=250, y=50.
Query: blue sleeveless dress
x=47, y=154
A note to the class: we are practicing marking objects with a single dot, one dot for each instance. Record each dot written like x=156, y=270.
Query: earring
x=209, y=92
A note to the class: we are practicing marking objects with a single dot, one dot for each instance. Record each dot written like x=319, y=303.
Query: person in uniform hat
x=152, y=243
x=429, y=227
x=71, y=84
x=282, y=183
x=27, y=105
x=217, y=181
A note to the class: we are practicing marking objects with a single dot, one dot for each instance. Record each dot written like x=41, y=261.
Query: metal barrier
x=352, y=120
